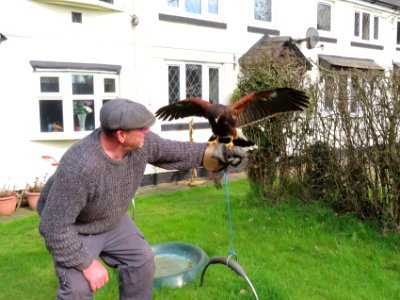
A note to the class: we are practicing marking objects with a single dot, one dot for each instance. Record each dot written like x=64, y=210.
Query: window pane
x=83, y=115
x=174, y=3
x=82, y=84
x=193, y=81
x=213, y=6
x=262, y=10
x=76, y=17
x=174, y=93
x=49, y=85
x=51, y=115
x=109, y=85
x=365, y=26
x=355, y=95
x=357, y=24
x=213, y=77
x=193, y=6
x=329, y=88
x=108, y=1
x=324, y=17
x=398, y=33
x=376, y=28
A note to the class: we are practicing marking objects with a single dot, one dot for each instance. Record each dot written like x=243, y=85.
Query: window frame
x=260, y=23
x=204, y=14
x=344, y=91
x=65, y=94
x=331, y=17
x=372, y=32
x=205, y=88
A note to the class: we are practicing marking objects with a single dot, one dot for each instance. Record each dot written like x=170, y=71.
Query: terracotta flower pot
x=32, y=198
x=8, y=204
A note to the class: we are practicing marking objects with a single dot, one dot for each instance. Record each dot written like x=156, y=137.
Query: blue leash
x=226, y=260
x=232, y=250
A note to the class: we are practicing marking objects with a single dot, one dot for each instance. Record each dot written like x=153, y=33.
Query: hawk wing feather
x=182, y=109
x=260, y=105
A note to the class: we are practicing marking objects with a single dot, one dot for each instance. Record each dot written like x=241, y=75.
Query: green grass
x=289, y=251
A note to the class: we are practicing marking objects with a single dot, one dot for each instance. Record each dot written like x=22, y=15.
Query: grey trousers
x=123, y=248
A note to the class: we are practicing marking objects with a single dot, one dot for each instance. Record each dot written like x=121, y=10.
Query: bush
x=344, y=148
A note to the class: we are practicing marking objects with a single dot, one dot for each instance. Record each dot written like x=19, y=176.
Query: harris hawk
x=224, y=119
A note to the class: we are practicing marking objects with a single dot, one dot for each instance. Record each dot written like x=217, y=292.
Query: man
x=83, y=206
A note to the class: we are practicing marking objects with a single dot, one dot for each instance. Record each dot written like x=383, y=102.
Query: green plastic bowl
x=177, y=263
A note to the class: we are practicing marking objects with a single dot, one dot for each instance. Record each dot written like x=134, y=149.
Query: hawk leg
x=213, y=140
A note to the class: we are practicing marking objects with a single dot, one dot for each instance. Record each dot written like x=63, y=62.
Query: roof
x=343, y=62
x=58, y=65
x=393, y=4
x=266, y=44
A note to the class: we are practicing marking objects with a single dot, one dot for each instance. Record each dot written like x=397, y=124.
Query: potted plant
x=8, y=201
x=32, y=191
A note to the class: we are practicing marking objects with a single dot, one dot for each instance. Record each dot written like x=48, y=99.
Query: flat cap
x=125, y=114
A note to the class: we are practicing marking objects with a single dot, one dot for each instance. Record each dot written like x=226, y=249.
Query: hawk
x=225, y=119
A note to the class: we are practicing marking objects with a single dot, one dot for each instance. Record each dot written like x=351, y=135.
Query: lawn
x=289, y=251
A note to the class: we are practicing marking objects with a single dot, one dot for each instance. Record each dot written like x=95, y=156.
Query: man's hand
x=217, y=157
x=96, y=274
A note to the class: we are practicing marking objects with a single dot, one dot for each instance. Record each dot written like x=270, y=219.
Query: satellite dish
x=312, y=37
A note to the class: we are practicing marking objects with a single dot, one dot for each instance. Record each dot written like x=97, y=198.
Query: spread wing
x=185, y=108
x=260, y=105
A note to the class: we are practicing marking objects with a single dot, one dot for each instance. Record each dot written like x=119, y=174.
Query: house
x=58, y=54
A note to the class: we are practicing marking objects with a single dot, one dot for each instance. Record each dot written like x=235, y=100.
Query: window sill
x=191, y=21
x=327, y=39
x=59, y=136
x=89, y=4
x=366, y=44
x=184, y=126
x=263, y=30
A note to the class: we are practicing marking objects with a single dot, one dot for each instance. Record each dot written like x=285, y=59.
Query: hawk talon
x=230, y=144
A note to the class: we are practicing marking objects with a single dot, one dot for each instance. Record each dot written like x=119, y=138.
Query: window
x=200, y=7
x=69, y=101
x=173, y=84
x=263, y=10
x=51, y=115
x=109, y=85
x=213, y=85
x=108, y=1
x=76, y=17
x=354, y=101
x=193, y=6
x=324, y=16
x=376, y=28
x=343, y=92
x=364, y=25
x=49, y=84
x=193, y=80
x=329, y=91
x=398, y=33
x=82, y=84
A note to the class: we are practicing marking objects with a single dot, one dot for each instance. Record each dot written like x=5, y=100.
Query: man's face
x=135, y=138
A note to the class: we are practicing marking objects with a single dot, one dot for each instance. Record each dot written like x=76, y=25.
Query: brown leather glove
x=217, y=157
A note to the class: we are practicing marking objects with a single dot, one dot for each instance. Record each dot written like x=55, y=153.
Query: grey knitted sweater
x=90, y=193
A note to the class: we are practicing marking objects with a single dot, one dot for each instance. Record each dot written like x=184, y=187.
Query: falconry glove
x=218, y=156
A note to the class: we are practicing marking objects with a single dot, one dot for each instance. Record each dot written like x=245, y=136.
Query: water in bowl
x=168, y=264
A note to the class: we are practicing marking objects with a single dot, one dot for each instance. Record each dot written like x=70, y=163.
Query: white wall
x=42, y=31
